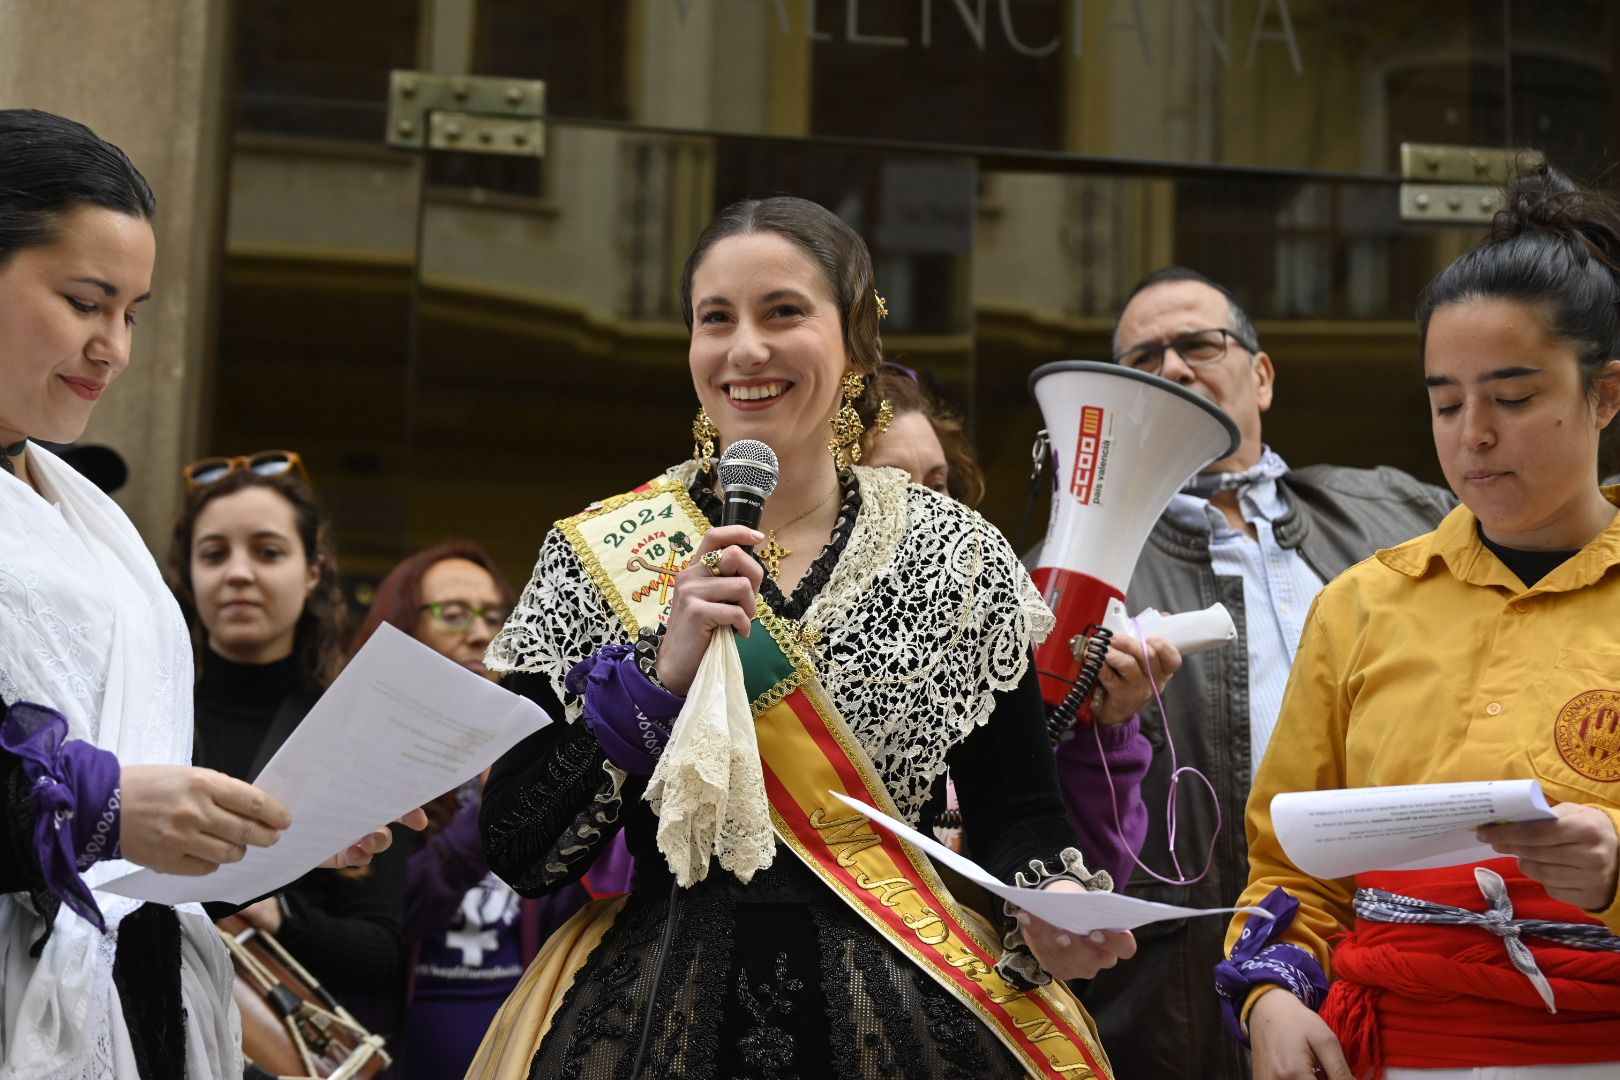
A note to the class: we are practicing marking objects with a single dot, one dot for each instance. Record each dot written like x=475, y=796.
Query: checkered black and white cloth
x=1380, y=906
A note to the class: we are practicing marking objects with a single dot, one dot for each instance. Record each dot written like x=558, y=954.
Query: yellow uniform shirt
x=1431, y=662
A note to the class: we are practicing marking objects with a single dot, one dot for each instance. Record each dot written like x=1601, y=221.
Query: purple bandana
x=74, y=797
x=628, y=713
x=1259, y=958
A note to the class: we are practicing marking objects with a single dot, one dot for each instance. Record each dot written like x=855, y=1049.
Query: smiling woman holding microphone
x=884, y=633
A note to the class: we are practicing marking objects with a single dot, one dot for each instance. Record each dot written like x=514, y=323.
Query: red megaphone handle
x=1078, y=602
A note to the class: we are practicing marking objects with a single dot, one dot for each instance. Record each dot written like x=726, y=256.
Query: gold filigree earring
x=885, y=416
x=845, y=444
x=882, y=307
x=704, y=436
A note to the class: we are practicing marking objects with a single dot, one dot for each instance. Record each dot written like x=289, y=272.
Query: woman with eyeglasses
x=469, y=934
x=95, y=721
x=256, y=573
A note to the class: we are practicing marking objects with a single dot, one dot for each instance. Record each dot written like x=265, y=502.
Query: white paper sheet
x=401, y=726
x=1078, y=913
x=1334, y=834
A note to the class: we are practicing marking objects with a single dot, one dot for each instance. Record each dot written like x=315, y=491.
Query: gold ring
x=711, y=559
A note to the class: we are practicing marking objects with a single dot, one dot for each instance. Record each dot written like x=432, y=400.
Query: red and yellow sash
x=808, y=751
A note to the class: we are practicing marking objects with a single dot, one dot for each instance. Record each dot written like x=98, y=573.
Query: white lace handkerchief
x=708, y=788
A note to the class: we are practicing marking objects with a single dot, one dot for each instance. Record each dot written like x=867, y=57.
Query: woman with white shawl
x=95, y=664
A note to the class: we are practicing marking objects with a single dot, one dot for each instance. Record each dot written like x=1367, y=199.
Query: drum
x=292, y=1028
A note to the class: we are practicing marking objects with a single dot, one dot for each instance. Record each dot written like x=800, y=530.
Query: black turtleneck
x=343, y=925
x=235, y=704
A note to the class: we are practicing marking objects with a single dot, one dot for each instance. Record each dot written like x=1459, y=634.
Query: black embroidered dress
x=927, y=620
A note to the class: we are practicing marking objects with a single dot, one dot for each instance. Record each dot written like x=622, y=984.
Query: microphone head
x=748, y=463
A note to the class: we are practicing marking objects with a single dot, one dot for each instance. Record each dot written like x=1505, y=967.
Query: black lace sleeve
x=1007, y=785
x=552, y=802
x=1012, y=812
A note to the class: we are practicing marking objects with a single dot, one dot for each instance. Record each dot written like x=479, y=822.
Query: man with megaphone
x=1262, y=539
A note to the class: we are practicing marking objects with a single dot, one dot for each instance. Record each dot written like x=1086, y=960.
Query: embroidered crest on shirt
x=1587, y=732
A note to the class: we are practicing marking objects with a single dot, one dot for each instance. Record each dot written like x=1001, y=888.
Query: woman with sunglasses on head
x=95, y=726
x=1485, y=650
x=469, y=934
x=883, y=634
x=256, y=573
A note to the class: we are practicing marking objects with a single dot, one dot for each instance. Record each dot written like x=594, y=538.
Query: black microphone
x=748, y=473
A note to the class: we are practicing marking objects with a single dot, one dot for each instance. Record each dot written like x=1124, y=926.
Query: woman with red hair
x=469, y=933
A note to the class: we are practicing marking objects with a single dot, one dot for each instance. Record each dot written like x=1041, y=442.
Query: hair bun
x=1541, y=198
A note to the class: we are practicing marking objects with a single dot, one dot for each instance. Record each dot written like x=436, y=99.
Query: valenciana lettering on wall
x=992, y=23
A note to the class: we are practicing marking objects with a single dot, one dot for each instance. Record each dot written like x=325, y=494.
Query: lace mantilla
x=925, y=616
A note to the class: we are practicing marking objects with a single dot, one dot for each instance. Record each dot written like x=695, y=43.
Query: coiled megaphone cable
x=1091, y=655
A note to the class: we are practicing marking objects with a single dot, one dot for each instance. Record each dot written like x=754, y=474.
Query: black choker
x=9, y=452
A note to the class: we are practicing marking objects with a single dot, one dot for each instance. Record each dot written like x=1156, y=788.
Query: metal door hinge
x=468, y=113
x=1457, y=184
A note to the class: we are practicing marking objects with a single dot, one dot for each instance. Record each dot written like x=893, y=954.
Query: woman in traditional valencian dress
x=892, y=640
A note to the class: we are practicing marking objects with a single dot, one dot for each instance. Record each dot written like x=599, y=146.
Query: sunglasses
x=211, y=470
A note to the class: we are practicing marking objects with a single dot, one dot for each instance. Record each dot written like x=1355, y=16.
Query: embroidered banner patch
x=633, y=545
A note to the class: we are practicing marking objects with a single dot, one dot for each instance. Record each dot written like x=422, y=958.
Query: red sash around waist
x=1433, y=996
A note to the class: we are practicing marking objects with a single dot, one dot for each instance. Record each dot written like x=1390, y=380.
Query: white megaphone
x=1123, y=443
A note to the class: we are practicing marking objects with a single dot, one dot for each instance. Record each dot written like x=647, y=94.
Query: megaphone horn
x=1124, y=442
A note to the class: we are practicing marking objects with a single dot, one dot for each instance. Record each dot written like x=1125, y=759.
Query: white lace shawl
x=927, y=614
x=88, y=627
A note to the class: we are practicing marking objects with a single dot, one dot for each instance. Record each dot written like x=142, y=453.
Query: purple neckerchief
x=627, y=712
x=74, y=798
x=1259, y=958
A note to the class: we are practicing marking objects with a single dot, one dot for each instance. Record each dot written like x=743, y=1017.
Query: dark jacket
x=1158, y=1013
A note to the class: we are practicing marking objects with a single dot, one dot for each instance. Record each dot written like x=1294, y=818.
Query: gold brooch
x=808, y=636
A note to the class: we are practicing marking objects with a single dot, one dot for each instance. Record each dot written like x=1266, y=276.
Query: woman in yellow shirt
x=1487, y=649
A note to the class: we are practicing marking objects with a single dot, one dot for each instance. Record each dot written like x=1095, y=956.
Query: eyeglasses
x=458, y=615
x=211, y=470
x=1195, y=349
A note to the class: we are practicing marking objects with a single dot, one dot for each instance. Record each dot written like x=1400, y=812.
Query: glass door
x=466, y=344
